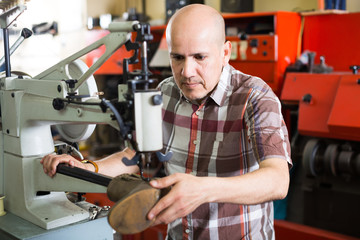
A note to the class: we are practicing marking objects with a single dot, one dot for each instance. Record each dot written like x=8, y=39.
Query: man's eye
x=177, y=57
x=199, y=57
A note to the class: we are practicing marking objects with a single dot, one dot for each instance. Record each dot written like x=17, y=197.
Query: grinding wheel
x=312, y=151
x=330, y=156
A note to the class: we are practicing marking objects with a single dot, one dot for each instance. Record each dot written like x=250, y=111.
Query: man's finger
x=164, y=182
x=160, y=206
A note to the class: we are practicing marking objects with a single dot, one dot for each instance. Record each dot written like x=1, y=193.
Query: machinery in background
x=264, y=44
x=237, y=6
x=66, y=96
x=173, y=5
x=324, y=121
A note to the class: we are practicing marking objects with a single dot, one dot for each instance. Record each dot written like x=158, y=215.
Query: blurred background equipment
x=237, y=6
x=173, y=5
x=324, y=122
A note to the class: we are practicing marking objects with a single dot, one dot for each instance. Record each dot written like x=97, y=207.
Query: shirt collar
x=220, y=92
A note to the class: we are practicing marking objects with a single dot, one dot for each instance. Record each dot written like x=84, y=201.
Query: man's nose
x=188, y=69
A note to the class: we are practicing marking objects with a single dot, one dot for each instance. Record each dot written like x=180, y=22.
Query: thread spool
x=2, y=212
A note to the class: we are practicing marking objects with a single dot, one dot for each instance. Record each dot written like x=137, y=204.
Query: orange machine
x=325, y=124
x=264, y=44
x=327, y=104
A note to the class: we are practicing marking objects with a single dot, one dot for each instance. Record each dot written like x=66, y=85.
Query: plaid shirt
x=238, y=126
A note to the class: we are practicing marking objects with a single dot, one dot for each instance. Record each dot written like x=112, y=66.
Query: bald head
x=197, y=19
x=198, y=52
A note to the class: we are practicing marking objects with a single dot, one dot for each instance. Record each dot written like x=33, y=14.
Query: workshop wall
x=276, y=5
x=95, y=9
x=298, y=5
x=155, y=9
x=41, y=51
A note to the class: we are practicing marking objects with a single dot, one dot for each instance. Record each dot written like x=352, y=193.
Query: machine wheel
x=345, y=159
x=311, y=157
x=357, y=165
x=78, y=132
x=331, y=154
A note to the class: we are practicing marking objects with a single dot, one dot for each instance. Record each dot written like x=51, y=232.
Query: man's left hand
x=186, y=195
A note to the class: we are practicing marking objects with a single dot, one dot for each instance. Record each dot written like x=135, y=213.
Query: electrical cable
x=122, y=128
x=104, y=104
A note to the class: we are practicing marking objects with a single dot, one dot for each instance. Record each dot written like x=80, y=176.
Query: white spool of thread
x=2, y=212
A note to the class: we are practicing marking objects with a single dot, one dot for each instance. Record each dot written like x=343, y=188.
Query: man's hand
x=51, y=161
x=268, y=183
x=186, y=195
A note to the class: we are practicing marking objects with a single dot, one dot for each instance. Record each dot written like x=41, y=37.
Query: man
x=225, y=129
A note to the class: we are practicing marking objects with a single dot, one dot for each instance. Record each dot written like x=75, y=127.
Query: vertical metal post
x=144, y=61
x=7, y=52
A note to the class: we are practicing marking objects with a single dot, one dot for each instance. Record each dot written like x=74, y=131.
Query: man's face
x=196, y=62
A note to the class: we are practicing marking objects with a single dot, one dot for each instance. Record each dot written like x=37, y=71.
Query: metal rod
x=144, y=62
x=144, y=7
x=25, y=33
x=7, y=52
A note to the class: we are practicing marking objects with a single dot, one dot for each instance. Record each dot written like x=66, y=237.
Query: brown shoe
x=134, y=199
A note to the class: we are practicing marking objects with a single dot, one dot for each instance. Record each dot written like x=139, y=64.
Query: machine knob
x=354, y=68
x=243, y=36
x=26, y=33
x=157, y=99
x=71, y=82
x=307, y=98
x=58, y=104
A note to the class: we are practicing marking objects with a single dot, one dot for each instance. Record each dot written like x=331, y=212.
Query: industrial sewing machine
x=65, y=95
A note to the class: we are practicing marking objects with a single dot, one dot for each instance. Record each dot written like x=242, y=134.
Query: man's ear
x=226, y=52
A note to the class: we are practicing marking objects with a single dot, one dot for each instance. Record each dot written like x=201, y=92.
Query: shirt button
x=195, y=142
x=187, y=230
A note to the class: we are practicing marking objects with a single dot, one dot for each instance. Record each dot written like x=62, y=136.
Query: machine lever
x=83, y=174
x=136, y=160
x=25, y=33
x=64, y=148
x=131, y=162
x=164, y=157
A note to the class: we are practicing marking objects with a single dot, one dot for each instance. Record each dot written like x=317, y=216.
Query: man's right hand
x=51, y=161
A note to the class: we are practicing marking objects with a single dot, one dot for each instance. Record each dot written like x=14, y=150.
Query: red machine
x=327, y=104
x=325, y=124
x=264, y=44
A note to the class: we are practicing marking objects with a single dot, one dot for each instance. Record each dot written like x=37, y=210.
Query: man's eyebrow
x=193, y=54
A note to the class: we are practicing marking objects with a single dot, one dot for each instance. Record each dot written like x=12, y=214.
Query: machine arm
x=118, y=36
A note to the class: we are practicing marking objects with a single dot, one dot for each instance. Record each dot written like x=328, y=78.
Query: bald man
x=231, y=153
